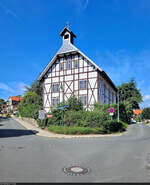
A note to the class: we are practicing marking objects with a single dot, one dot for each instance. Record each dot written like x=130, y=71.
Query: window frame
x=83, y=99
x=55, y=87
x=83, y=84
x=68, y=63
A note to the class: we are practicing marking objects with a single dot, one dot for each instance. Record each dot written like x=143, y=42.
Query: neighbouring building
x=137, y=112
x=71, y=72
x=12, y=104
x=4, y=108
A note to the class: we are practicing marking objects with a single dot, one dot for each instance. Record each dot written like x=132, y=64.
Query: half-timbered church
x=71, y=72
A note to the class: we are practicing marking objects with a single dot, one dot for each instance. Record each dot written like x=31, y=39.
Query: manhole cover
x=76, y=170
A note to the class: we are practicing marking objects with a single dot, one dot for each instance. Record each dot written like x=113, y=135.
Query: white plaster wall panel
x=76, y=85
x=55, y=94
x=75, y=77
x=57, y=73
x=68, y=90
x=92, y=83
x=92, y=74
x=68, y=95
x=85, y=63
x=44, y=99
x=85, y=69
x=92, y=100
x=61, y=97
x=61, y=79
x=81, y=70
x=56, y=79
x=76, y=71
x=46, y=109
x=69, y=77
x=68, y=72
x=83, y=76
x=90, y=68
x=53, y=74
x=82, y=92
x=53, y=68
x=47, y=88
x=61, y=72
x=47, y=80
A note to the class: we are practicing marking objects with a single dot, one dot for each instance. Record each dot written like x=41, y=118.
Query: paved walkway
x=40, y=132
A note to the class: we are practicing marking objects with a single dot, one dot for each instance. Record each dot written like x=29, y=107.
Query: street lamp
x=118, y=104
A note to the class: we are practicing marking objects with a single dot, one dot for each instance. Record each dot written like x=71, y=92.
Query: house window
x=83, y=84
x=68, y=64
x=55, y=101
x=61, y=67
x=76, y=64
x=55, y=87
x=83, y=99
x=66, y=36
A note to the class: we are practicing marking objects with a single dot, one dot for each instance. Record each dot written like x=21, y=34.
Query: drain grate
x=76, y=170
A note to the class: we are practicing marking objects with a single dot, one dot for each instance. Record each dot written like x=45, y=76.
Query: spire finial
x=67, y=24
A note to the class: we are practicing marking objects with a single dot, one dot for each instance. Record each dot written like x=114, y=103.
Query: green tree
x=2, y=101
x=129, y=92
x=146, y=113
x=36, y=87
x=30, y=105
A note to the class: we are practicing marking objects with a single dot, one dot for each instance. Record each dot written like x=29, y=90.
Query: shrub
x=75, y=130
x=72, y=118
x=114, y=126
x=74, y=103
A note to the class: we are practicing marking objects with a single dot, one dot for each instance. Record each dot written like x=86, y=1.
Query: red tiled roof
x=14, y=98
x=138, y=111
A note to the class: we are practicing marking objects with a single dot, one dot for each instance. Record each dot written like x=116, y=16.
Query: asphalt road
x=25, y=157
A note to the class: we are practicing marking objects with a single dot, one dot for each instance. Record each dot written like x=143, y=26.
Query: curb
x=53, y=135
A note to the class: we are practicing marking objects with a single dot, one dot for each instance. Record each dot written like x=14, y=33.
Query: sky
x=113, y=33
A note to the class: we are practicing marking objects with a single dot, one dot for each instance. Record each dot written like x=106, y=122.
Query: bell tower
x=67, y=35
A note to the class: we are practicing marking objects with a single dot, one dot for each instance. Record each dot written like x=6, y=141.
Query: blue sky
x=113, y=33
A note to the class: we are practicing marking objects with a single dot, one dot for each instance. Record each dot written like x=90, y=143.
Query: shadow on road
x=15, y=132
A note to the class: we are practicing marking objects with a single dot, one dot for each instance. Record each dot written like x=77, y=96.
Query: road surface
x=25, y=157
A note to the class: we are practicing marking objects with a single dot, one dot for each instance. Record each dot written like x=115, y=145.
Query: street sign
x=41, y=114
x=111, y=110
x=49, y=115
x=111, y=114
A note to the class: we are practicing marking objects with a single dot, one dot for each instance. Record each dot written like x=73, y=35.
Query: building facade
x=12, y=104
x=71, y=72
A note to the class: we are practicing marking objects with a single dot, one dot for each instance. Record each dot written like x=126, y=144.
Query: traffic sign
x=49, y=115
x=111, y=110
x=41, y=114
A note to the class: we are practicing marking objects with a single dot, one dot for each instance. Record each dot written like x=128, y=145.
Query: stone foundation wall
x=31, y=121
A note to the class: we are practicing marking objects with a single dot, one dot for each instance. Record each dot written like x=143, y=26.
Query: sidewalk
x=39, y=132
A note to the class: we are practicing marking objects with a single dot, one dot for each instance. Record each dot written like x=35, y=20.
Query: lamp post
x=118, y=105
x=61, y=86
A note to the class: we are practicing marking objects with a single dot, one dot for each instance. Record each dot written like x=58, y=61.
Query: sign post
x=111, y=112
x=41, y=115
x=62, y=108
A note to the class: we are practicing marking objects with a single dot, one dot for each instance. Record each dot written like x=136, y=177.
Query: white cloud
x=5, y=87
x=8, y=11
x=146, y=98
x=12, y=89
x=81, y=5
